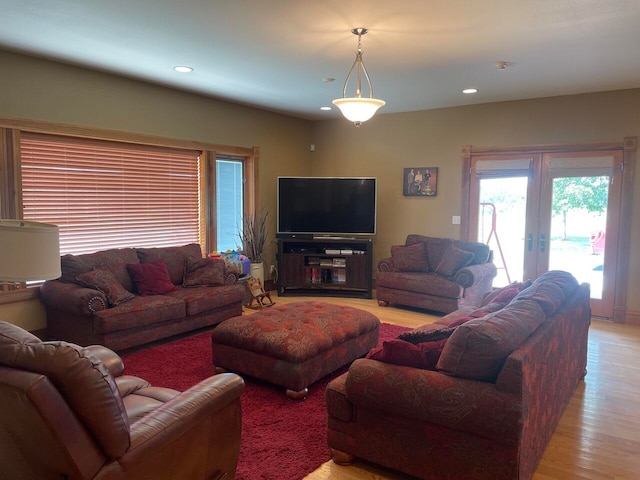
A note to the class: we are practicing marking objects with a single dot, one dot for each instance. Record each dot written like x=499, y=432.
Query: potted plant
x=253, y=238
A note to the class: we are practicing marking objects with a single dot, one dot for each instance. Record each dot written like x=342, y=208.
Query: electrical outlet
x=455, y=220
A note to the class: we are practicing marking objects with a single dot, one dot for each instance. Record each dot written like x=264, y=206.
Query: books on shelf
x=326, y=275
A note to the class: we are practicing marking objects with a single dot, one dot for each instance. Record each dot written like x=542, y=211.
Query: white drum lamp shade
x=29, y=251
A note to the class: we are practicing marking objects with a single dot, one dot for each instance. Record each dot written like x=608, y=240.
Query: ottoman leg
x=341, y=458
x=297, y=395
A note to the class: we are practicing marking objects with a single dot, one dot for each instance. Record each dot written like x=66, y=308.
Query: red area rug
x=281, y=438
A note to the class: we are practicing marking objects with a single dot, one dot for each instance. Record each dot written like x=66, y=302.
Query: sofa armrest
x=475, y=274
x=109, y=358
x=385, y=265
x=185, y=411
x=428, y=396
x=72, y=298
x=230, y=276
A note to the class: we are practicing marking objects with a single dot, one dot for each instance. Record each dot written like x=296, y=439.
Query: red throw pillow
x=400, y=352
x=151, y=278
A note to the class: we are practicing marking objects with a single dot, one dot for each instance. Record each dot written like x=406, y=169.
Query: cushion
x=478, y=348
x=410, y=258
x=436, y=248
x=420, y=335
x=550, y=290
x=203, y=272
x=505, y=294
x=173, y=257
x=151, y=278
x=102, y=279
x=453, y=260
x=400, y=352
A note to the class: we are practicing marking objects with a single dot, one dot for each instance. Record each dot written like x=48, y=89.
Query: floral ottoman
x=294, y=345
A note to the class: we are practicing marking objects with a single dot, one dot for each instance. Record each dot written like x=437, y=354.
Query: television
x=326, y=206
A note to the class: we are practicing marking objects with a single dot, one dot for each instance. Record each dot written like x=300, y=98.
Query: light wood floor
x=598, y=436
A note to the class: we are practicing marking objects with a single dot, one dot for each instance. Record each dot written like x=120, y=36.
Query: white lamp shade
x=358, y=109
x=28, y=251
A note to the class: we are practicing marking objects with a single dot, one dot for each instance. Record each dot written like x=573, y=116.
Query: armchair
x=438, y=274
x=70, y=412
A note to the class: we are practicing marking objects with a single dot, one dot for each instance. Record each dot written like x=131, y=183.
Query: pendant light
x=358, y=109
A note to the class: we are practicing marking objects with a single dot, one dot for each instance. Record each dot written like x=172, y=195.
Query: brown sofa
x=69, y=412
x=488, y=405
x=118, y=317
x=439, y=274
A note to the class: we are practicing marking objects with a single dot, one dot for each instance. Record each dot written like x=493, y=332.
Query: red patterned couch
x=489, y=402
x=122, y=298
x=440, y=274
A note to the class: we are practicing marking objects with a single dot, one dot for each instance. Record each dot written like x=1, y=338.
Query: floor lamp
x=29, y=251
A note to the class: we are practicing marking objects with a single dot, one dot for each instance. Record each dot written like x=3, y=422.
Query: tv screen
x=327, y=205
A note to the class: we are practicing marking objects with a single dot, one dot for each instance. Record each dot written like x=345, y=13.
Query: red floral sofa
x=121, y=298
x=475, y=396
x=440, y=274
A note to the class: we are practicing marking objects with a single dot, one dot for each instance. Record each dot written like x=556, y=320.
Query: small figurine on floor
x=258, y=295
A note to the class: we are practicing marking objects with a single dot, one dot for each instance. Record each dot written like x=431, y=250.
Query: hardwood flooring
x=598, y=437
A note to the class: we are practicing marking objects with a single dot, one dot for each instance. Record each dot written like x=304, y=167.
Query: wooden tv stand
x=325, y=266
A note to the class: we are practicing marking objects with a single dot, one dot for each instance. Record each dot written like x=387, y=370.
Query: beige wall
x=383, y=146
x=42, y=90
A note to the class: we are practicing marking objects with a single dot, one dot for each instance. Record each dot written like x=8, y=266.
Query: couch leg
x=220, y=370
x=297, y=395
x=341, y=458
x=383, y=303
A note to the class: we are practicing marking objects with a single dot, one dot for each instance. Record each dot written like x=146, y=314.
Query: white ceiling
x=274, y=54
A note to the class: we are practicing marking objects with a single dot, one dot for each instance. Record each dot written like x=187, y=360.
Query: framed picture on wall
x=420, y=182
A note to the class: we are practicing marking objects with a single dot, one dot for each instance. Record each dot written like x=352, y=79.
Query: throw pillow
x=425, y=335
x=151, y=278
x=102, y=279
x=399, y=352
x=453, y=260
x=410, y=258
x=203, y=272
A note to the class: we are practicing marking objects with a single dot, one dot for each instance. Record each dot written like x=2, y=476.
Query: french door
x=550, y=211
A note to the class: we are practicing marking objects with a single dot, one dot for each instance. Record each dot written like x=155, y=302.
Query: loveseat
x=475, y=396
x=440, y=274
x=69, y=412
x=121, y=298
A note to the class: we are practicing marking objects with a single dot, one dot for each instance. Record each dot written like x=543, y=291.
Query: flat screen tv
x=326, y=206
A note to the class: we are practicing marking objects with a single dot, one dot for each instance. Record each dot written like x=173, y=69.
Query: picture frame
x=420, y=182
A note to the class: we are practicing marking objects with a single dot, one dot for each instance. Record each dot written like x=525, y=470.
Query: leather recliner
x=69, y=412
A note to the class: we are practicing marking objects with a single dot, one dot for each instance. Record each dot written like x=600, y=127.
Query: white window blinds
x=110, y=195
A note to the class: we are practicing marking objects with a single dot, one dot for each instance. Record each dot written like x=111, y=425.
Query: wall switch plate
x=455, y=220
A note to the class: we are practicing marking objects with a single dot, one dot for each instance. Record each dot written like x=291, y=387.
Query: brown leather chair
x=68, y=412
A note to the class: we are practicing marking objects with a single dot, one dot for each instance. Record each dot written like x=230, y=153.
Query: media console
x=325, y=266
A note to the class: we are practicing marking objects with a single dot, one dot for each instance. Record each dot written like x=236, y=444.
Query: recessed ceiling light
x=183, y=69
x=470, y=90
x=325, y=108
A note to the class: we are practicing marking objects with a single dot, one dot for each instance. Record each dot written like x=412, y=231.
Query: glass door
x=552, y=211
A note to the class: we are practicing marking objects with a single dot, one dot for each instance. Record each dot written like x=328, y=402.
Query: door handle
x=543, y=242
x=530, y=242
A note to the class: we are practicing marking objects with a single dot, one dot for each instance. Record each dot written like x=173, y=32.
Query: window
x=229, y=202
x=110, y=195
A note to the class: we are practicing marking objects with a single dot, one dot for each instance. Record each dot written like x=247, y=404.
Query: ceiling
x=274, y=54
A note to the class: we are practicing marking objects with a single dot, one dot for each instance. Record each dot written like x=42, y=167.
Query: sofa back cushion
x=410, y=258
x=478, y=348
x=116, y=259
x=81, y=378
x=436, y=248
x=550, y=290
x=174, y=258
